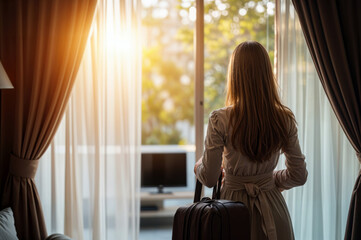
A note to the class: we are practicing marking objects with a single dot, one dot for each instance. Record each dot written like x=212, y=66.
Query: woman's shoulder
x=220, y=116
x=221, y=112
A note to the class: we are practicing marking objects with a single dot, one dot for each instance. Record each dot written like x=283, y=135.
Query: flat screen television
x=164, y=170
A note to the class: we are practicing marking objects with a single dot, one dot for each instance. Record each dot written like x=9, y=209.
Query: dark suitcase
x=212, y=219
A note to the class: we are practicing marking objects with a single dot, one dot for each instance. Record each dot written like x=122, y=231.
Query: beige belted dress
x=255, y=184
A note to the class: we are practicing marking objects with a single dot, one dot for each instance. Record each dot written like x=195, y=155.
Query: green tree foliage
x=165, y=101
x=168, y=98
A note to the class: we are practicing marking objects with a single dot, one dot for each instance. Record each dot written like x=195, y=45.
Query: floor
x=159, y=229
x=155, y=233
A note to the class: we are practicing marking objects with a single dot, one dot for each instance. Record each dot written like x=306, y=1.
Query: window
x=168, y=72
x=171, y=62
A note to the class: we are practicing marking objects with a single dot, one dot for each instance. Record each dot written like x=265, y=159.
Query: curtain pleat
x=332, y=30
x=41, y=46
x=318, y=209
x=94, y=162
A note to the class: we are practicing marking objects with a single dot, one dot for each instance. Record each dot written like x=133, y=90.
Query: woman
x=248, y=135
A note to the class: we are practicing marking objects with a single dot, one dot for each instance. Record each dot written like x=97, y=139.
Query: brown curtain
x=333, y=34
x=41, y=46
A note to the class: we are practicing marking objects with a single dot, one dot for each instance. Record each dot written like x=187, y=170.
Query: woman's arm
x=208, y=167
x=295, y=174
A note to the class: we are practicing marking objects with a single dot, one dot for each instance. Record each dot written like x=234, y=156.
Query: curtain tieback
x=358, y=154
x=25, y=168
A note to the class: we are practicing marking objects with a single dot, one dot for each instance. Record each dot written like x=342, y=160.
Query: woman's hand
x=199, y=162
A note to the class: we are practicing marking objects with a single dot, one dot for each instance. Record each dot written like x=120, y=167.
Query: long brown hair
x=260, y=121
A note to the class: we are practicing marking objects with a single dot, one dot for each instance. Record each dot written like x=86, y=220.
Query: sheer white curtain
x=319, y=209
x=89, y=178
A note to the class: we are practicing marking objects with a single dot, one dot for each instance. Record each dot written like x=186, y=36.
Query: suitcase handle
x=216, y=190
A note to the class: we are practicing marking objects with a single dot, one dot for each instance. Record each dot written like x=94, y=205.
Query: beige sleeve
x=210, y=169
x=295, y=173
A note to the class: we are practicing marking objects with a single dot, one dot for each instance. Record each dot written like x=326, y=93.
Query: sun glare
x=121, y=41
x=120, y=38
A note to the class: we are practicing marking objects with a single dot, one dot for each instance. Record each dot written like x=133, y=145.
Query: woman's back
x=252, y=182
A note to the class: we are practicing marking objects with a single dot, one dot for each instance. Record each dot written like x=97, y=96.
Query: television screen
x=167, y=169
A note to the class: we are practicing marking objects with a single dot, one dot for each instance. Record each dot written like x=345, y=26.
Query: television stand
x=160, y=189
x=152, y=204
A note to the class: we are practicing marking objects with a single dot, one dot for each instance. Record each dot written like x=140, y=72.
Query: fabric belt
x=255, y=187
x=23, y=167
